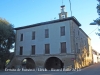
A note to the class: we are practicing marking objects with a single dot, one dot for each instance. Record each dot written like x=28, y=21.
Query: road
x=91, y=70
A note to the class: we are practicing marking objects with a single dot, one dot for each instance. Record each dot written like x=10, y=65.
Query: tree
x=97, y=21
x=7, y=39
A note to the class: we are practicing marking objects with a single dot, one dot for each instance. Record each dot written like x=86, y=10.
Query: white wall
x=40, y=40
x=95, y=58
x=98, y=58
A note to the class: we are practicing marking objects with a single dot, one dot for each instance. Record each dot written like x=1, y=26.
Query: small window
x=77, y=50
x=78, y=32
x=63, y=16
x=33, y=49
x=62, y=30
x=63, y=47
x=33, y=35
x=21, y=37
x=21, y=50
x=47, y=49
x=46, y=33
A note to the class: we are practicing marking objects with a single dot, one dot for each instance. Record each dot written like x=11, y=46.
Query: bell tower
x=63, y=14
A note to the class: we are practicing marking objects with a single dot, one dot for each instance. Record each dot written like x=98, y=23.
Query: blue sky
x=26, y=12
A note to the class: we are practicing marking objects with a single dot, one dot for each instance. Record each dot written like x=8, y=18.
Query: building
x=96, y=56
x=53, y=44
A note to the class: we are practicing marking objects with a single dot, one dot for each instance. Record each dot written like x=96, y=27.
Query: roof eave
x=49, y=22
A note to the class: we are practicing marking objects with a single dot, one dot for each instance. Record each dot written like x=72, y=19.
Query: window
x=77, y=50
x=21, y=38
x=33, y=35
x=78, y=32
x=63, y=16
x=62, y=30
x=33, y=49
x=46, y=33
x=21, y=50
x=63, y=47
x=47, y=48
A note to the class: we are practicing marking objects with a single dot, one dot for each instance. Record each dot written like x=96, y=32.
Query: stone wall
x=41, y=59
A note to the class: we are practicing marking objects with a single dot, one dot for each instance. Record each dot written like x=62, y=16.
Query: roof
x=50, y=22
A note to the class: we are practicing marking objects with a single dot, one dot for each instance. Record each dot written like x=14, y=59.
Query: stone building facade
x=53, y=44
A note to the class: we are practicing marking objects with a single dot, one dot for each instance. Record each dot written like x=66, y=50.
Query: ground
x=91, y=70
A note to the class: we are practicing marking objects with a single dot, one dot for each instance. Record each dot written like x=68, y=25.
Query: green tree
x=7, y=39
x=97, y=21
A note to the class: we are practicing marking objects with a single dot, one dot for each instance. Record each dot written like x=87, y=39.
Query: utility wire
x=93, y=30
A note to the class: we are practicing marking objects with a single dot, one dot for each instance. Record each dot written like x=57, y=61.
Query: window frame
x=63, y=47
x=46, y=33
x=33, y=48
x=21, y=37
x=33, y=35
x=62, y=30
x=21, y=50
x=47, y=48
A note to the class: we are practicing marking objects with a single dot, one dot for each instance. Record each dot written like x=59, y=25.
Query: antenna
x=70, y=7
x=62, y=7
x=62, y=2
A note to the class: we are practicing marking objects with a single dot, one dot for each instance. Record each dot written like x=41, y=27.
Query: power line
x=93, y=30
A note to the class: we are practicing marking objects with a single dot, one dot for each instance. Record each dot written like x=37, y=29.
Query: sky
x=27, y=12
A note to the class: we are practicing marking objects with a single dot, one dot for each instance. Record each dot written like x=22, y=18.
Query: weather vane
x=62, y=2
